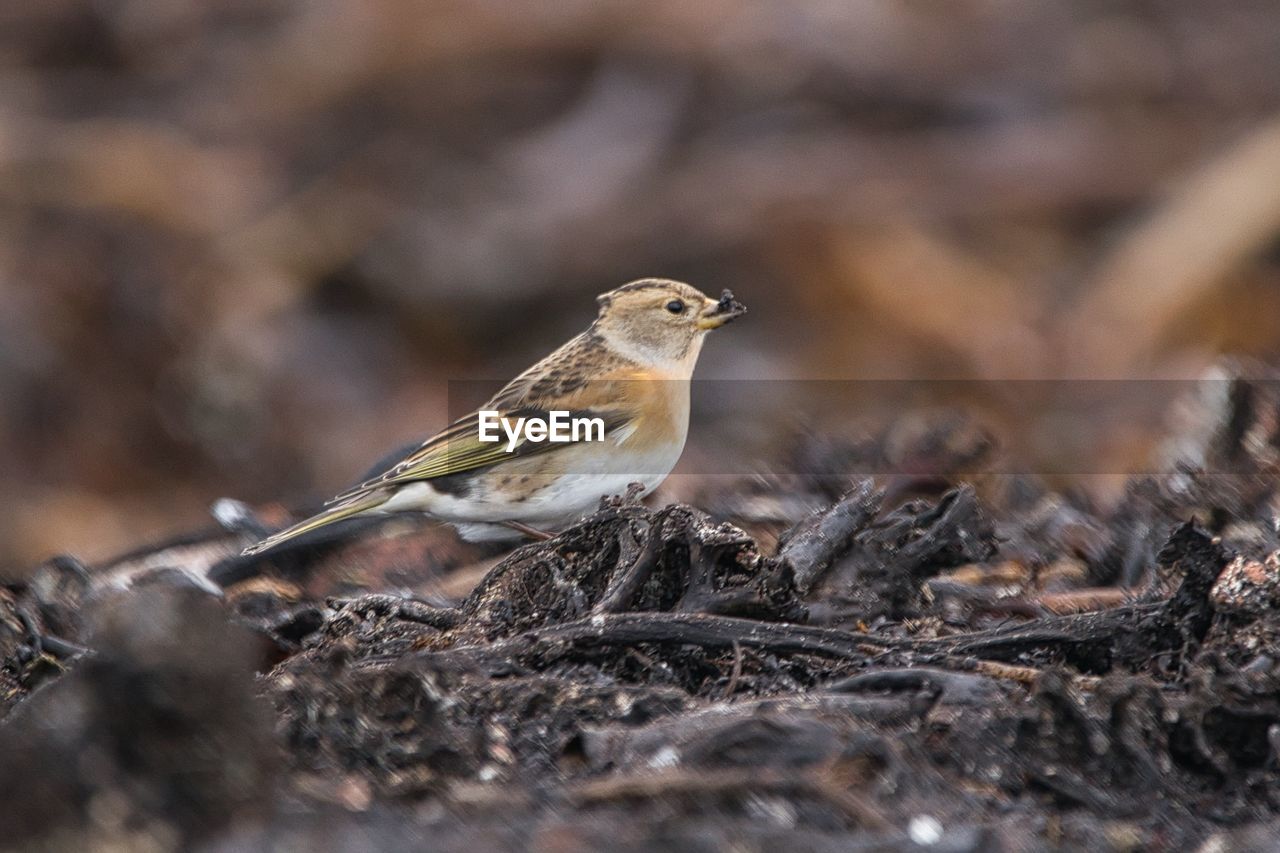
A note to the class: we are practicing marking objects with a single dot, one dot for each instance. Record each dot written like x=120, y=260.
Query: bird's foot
x=532, y=532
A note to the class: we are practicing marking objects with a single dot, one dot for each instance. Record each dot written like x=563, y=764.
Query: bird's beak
x=717, y=314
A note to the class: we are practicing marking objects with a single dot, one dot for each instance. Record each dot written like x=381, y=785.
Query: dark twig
x=625, y=583
x=683, y=783
x=812, y=546
x=408, y=609
x=736, y=673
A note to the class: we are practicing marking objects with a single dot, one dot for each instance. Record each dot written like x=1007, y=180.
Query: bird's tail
x=346, y=509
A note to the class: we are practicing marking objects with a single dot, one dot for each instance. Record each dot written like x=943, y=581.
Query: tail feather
x=354, y=506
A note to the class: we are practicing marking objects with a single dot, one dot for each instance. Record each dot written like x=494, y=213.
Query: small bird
x=628, y=373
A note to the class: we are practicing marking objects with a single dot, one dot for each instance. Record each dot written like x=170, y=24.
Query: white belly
x=593, y=473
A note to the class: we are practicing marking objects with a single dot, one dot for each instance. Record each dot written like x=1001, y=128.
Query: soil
x=815, y=662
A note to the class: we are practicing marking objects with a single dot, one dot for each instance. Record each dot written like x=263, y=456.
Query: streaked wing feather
x=458, y=448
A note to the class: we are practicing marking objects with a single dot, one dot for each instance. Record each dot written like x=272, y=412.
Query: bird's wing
x=554, y=383
x=458, y=448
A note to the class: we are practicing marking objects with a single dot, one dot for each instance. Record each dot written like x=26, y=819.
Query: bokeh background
x=245, y=246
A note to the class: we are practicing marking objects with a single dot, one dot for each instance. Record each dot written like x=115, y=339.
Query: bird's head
x=662, y=321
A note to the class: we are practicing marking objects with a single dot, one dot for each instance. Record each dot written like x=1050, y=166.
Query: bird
x=628, y=376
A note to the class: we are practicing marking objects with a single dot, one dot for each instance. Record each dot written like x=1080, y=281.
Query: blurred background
x=245, y=246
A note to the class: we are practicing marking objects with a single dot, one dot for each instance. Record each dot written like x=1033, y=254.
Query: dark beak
x=722, y=312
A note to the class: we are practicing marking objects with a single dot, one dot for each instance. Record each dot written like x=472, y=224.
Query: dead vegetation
x=910, y=666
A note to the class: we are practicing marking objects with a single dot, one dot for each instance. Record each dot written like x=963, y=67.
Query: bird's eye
x=675, y=306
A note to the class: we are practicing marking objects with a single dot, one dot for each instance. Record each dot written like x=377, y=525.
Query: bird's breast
x=659, y=414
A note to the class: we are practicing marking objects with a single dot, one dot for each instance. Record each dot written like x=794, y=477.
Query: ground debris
x=916, y=662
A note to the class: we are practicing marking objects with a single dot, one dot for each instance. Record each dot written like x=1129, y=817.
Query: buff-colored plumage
x=631, y=369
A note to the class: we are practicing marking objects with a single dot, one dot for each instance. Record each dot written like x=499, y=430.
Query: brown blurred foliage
x=245, y=245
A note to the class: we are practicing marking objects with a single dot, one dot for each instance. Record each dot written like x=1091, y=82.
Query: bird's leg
x=531, y=532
